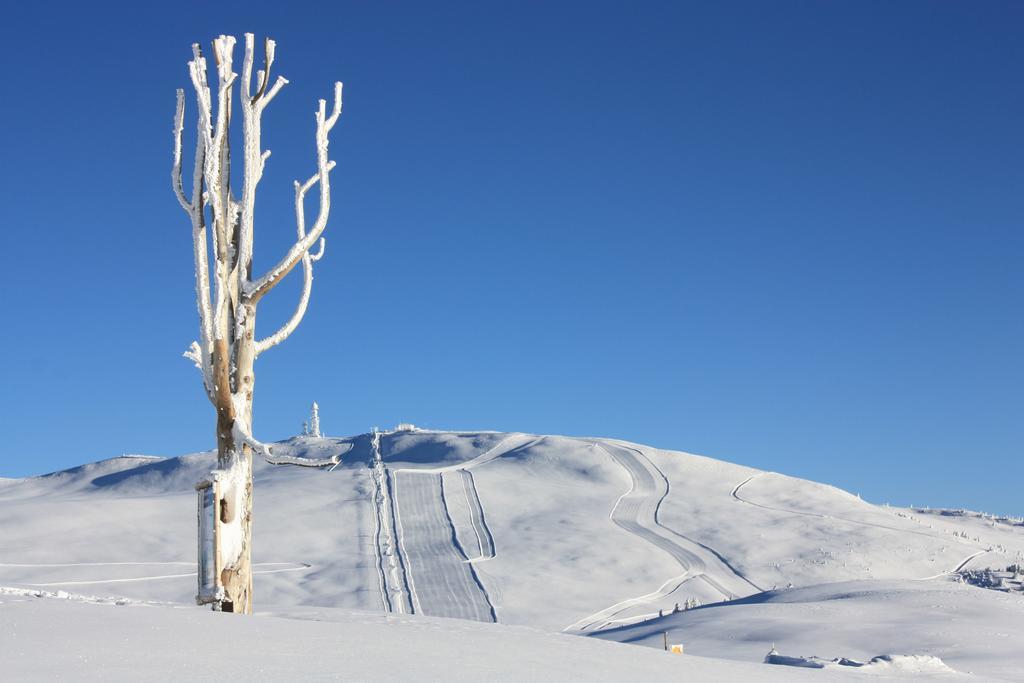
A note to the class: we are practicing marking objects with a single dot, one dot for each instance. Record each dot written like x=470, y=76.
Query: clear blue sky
x=784, y=234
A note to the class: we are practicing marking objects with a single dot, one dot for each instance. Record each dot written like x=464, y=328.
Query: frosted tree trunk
x=227, y=294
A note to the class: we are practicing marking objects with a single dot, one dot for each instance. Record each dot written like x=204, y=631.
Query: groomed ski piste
x=426, y=556
x=580, y=536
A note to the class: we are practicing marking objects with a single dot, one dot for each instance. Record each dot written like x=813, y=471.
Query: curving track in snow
x=510, y=443
x=736, y=495
x=637, y=511
x=959, y=567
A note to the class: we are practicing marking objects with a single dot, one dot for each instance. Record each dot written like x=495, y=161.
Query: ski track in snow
x=98, y=564
x=446, y=585
x=959, y=567
x=377, y=554
x=467, y=515
x=291, y=567
x=485, y=541
x=397, y=591
x=606, y=617
x=402, y=585
x=439, y=575
x=964, y=563
x=638, y=512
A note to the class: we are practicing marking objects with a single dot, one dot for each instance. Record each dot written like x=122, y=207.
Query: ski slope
x=442, y=581
x=588, y=536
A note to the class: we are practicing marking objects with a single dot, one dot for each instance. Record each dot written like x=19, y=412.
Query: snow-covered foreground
x=580, y=535
x=970, y=629
x=47, y=639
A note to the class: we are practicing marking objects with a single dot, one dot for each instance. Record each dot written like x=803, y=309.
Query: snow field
x=972, y=630
x=156, y=643
x=551, y=532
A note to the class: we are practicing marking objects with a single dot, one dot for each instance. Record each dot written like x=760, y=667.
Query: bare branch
x=268, y=59
x=202, y=274
x=300, y=200
x=274, y=89
x=247, y=65
x=242, y=435
x=263, y=162
x=255, y=290
x=197, y=71
x=254, y=159
x=179, y=124
x=320, y=254
x=307, y=269
x=202, y=361
x=300, y=309
x=217, y=178
x=337, y=106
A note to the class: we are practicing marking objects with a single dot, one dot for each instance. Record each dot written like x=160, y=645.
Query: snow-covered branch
x=257, y=288
x=255, y=158
x=208, y=176
x=242, y=436
x=300, y=309
x=307, y=268
x=201, y=358
x=270, y=94
x=179, y=124
x=263, y=76
x=218, y=180
x=200, y=351
x=302, y=462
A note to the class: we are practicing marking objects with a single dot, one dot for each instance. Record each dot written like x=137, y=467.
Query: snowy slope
x=62, y=639
x=575, y=526
x=557, y=533
x=969, y=629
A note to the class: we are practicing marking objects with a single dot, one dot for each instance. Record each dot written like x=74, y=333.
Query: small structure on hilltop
x=314, y=421
x=405, y=427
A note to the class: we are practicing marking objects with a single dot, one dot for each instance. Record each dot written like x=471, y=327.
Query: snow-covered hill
x=582, y=535
x=969, y=629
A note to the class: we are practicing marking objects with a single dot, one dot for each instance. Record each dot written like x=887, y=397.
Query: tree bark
x=236, y=577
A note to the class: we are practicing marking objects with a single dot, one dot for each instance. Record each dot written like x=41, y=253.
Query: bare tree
x=228, y=296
